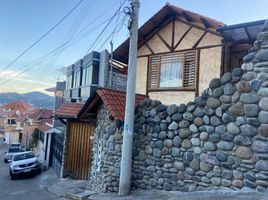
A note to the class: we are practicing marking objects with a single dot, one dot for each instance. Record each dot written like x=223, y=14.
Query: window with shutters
x=172, y=71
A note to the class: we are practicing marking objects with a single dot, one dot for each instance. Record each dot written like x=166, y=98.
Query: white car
x=9, y=154
x=24, y=163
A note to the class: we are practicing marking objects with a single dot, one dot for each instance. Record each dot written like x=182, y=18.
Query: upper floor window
x=69, y=82
x=87, y=76
x=77, y=79
x=11, y=121
x=172, y=71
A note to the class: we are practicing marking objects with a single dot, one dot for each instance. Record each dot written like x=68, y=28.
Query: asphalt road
x=26, y=188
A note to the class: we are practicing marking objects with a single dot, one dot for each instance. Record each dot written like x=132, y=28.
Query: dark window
x=42, y=136
x=11, y=121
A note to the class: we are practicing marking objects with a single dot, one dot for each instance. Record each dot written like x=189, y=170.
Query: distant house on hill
x=36, y=119
x=11, y=117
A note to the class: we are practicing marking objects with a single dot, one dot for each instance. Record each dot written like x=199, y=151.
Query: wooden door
x=79, y=150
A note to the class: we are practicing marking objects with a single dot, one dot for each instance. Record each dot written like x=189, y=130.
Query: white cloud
x=12, y=73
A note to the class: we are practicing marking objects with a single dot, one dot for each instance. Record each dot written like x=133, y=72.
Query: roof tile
x=69, y=110
x=115, y=101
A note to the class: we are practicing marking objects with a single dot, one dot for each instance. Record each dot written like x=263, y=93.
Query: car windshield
x=15, y=145
x=13, y=150
x=23, y=156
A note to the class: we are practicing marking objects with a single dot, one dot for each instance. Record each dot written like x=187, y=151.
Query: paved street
x=54, y=188
x=21, y=189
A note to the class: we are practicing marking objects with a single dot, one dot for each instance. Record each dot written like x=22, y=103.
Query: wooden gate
x=79, y=150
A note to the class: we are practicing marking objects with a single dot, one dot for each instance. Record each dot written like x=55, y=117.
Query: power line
x=54, y=52
x=62, y=47
x=50, y=54
x=43, y=36
x=70, y=34
x=100, y=34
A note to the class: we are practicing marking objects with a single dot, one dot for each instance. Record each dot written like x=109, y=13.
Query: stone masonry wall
x=219, y=140
x=106, y=153
x=119, y=81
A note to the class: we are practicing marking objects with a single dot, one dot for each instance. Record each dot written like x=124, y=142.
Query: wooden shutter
x=189, y=69
x=154, y=72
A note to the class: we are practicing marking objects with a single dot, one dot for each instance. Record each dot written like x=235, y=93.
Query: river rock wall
x=218, y=140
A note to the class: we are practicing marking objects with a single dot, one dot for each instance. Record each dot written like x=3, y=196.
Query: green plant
x=35, y=137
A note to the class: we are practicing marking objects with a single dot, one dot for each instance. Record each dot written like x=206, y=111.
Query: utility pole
x=126, y=158
x=111, y=66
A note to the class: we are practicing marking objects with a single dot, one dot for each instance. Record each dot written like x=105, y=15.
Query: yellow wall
x=141, y=77
x=172, y=97
x=210, y=63
x=210, y=60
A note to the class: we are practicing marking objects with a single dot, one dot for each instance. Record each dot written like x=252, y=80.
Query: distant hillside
x=37, y=99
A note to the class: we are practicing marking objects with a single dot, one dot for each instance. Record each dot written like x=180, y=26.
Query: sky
x=23, y=22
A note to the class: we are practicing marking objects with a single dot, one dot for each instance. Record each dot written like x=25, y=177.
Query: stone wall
x=119, y=81
x=106, y=153
x=219, y=140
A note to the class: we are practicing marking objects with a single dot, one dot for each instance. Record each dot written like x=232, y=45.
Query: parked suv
x=9, y=154
x=24, y=163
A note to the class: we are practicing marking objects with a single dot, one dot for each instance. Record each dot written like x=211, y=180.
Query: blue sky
x=23, y=21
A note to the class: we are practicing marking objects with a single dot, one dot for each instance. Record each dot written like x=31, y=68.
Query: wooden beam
x=199, y=40
x=160, y=25
x=173, y=33
x=164, y=41
x=205, y=22
x=197, y=73
x=199, y=27
x=187, y=17
x=182, y=37
x=150, y=49
x=247, y=32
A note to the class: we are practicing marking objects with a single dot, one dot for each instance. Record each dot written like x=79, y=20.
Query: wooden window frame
x=158, y=89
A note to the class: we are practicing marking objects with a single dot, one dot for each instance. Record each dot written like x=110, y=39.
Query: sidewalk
x=62, y=186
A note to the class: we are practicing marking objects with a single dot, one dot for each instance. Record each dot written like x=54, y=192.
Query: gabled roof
x=44, y=127
x=42, y=114
x=68, y=110
x=20, y=106
x=162, y=16
x=113, y=99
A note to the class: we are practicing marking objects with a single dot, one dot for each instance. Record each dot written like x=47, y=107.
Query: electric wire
x=43, y=36
x=54, y=52
x=70, y=34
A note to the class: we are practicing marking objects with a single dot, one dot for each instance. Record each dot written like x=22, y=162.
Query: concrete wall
x=210, y=60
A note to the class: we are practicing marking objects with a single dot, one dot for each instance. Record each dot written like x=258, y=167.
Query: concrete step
x=79, y=194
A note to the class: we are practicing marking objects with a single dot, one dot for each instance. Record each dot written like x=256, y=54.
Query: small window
x=11, y=121
x=172, y=71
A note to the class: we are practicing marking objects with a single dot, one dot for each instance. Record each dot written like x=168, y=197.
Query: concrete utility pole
x=111, y=66
x=126, y=159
